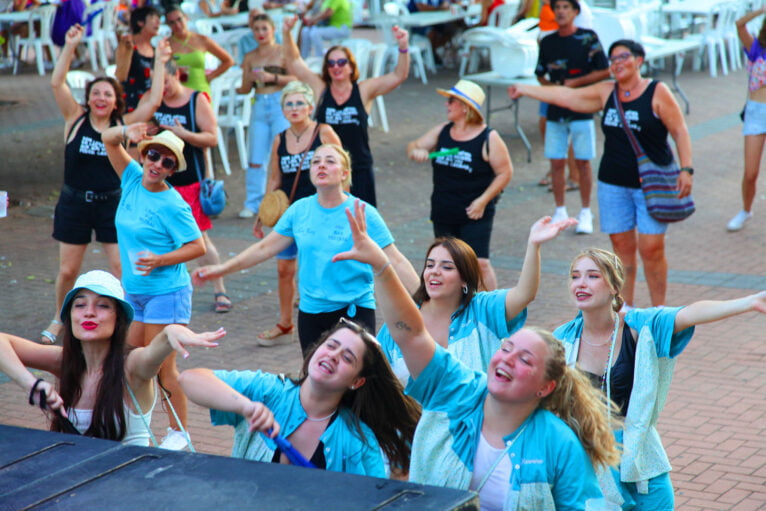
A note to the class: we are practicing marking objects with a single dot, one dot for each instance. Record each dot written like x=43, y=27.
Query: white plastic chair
x=77, y=80
x=95, y=41
x=502, y=16
x=378, y=113
x=111, y=70
x=713, y=39
x=477, y=40
x=420, y=47
x=360, y=48
x=233, y=113
x=207, y=26
x=38, y=39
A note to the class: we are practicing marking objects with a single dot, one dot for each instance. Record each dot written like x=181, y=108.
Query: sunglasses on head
x=294, y=104
x=154, y=155
x=339, y=62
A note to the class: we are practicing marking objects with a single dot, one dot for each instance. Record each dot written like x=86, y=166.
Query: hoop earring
x=465, y=289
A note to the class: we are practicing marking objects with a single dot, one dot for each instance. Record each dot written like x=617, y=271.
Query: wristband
x=380, y=272
x=688, y=169
x=404, y=50
x=34, y=388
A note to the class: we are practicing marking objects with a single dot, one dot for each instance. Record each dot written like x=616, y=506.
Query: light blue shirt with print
x=320, y=233
x=159, y=222
x=475, y=333
x=656, y=348
x=344, y=450
x=550, y=469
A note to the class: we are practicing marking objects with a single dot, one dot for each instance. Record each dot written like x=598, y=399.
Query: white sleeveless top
x=136, y=433
x=492, y=495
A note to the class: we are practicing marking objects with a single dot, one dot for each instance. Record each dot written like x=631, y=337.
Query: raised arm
x=588, y=99
x=418, y=150
x=525, y=291
x=61, y=92
x=667, y=109
x=500, y=161
x=745, y=37
x=256, y=253
x=150, y=102
x=122, y=57
x=16, y=354
x=116, y=138
x=403, y=268
x=399, y=311
x=380, y=85
x=202, y=387
x=295, y=63
x=707, y=311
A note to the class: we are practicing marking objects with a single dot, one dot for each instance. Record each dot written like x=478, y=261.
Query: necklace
x=298, y=136
x=321, y=419
x=605, y=376
x=627, y=92
x=599, y=344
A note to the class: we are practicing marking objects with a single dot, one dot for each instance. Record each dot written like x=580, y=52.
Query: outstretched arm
x=588, y=99
x=525, y=291
x=16, y=354
x=399, y=311
x=205, y=389
x=707, y=311
x=295, y=64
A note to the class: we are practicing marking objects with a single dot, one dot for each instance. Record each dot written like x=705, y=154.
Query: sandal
x=277, y=334
x=222, y=303
x=571, y=186
x=47, y=337
x=545, y=181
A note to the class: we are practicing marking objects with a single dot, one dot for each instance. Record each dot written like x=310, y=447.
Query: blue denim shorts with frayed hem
x=622, y=209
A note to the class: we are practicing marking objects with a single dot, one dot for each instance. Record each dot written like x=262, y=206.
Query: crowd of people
x=454, y=389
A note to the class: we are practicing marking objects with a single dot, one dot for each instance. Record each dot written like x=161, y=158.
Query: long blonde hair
x=582, y=406
x=611, y=269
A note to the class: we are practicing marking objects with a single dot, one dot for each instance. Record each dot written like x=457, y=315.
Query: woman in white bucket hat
x=99, y=382
x=468, y=182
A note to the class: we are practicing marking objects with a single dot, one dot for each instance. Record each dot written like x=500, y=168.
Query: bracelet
x=404, y=50
x=34, y=388
x=688, y=169
x=380, y=272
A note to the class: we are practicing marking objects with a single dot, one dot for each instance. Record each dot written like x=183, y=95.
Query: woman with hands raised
x=527, y=434
x=103, y=386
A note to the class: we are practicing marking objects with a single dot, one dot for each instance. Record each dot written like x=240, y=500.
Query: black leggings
x=312, y=326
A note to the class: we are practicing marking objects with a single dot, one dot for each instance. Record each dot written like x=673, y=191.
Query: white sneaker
x=246, y=213
x=584, y=222
x=559, y=215
x=738, y=222
x=174, y=441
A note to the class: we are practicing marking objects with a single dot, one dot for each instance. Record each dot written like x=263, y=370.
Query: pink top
x=756, y=66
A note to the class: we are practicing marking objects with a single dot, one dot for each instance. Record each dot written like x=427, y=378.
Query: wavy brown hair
x=578, y=403
x=108, y=420
x=351, y=62
x=611, y=269
x=380, y=403
x=466, y=263
x=119, y=107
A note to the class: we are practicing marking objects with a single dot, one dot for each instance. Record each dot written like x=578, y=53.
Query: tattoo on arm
x=401, y=325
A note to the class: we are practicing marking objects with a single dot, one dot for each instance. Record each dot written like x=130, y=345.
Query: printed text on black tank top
x=346, y=115
x=92, y=146
x=462, y=160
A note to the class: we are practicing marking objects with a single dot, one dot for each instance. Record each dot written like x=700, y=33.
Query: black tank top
x=621, y=375
x=459, y=178
x=349, y=121
x=195, y=157
x=618, y=163
x=288, y=164
x=86, y=165
x=139, y=79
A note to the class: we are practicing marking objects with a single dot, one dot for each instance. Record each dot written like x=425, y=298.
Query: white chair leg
x=104, y=60
x=224, y=152
x=92, y=53
x=40, y=58
x=417, y=57
x=464, y=61
x=239, y=130
x=381, y=109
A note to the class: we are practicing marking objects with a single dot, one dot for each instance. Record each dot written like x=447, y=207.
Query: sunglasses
x=154, y=155
x=622, y=57
x=339, y=62
x=297, y=104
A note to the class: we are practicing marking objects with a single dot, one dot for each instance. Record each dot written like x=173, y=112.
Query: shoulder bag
x=212, y=195
x=658, y=182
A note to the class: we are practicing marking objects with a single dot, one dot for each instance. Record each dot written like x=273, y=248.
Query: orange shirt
x=547, y=19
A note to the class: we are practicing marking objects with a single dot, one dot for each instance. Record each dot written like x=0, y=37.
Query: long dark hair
x=467, y=265
x=119, y=107
x=108, y=420
x=380, y=403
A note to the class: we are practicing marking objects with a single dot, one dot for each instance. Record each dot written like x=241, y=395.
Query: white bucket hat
x=102, y=283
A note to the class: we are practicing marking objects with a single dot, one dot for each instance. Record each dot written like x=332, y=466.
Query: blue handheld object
x=90, y=17
x=292, y=453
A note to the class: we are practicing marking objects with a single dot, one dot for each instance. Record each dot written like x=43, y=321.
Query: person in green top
x=333, y=21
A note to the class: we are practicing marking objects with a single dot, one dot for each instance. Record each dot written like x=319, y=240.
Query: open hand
x=365, y=250
x=180, y=336
x=545, y=230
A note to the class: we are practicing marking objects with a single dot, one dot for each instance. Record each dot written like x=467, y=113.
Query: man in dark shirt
x=572, y=57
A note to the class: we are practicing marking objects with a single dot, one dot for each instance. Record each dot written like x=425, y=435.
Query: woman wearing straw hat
x=468, y=182
x=104, y=391
x=157, y=234
x=288, y=152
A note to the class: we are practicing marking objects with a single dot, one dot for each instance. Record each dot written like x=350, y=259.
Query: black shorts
x=75, y=219
x=476, y=233
x=312, y=326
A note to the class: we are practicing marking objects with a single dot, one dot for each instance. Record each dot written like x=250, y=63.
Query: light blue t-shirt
x=160, y=222
x=320, y=233
x=550, y=469
x=475, y=333
x=344, y=450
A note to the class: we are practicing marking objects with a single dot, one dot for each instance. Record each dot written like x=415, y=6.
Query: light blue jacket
x=344, y=450
x=550, y=468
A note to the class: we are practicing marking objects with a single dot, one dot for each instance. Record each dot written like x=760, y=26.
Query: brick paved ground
x=712, y=425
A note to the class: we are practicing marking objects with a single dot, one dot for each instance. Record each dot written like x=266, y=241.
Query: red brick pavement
x=712, y=425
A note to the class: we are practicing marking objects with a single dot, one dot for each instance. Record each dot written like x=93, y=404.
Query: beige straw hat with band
x=169, y=140
x=469, y=93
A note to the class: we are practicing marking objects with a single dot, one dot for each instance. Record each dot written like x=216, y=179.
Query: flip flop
x=222, y=306
x=48, y=337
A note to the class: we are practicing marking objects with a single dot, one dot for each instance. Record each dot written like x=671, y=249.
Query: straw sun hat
x=169, y=140
x=469, y=93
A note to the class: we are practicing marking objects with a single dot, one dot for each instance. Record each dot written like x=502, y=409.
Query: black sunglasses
x=154, y=155
x=339, y=62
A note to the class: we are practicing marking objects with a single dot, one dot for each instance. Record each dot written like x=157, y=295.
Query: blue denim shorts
x=583, y=134
x=165, y=309
x=755, y=118
x=289, y=253
x=622, y=209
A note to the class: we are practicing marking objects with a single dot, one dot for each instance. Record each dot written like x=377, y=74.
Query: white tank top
x=136, y=433
x=492, y=494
